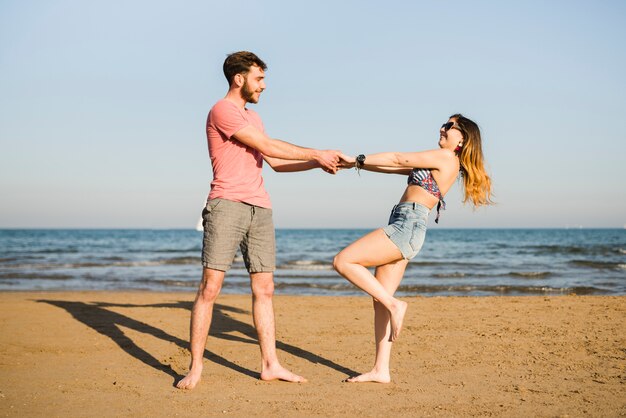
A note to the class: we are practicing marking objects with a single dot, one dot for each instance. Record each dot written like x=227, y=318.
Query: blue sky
x=103, y=106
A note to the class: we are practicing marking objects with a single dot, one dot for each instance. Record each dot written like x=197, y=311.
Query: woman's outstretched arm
x=349, y=162
x=424, y=159
x=387, y=170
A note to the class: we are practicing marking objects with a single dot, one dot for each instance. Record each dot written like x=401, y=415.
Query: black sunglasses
x=449, y=125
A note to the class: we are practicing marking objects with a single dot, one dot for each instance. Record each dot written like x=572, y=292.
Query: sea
x=453, y=262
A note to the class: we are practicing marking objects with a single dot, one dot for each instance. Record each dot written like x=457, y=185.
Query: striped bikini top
x=424, y=178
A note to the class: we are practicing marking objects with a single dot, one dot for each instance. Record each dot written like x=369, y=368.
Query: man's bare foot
x=191, y=380
x=397, y=316
x=372, y=376
x=280, y=373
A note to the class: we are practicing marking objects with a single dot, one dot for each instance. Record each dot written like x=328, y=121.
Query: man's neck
x=235, y=97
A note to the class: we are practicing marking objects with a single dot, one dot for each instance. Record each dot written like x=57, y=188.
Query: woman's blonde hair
x=476, y=182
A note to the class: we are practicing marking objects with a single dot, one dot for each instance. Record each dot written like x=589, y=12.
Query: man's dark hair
x=240, y=63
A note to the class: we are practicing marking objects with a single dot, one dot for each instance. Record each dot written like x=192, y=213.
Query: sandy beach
x=120, y=353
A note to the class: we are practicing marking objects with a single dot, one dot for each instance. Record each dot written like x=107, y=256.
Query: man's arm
x=289, y=166
x=276, y=148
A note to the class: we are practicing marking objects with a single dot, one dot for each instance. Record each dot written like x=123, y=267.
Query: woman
x=431, y=174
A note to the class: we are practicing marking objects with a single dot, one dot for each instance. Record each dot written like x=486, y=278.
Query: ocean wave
x=316, y=275
x=306, y=265
x=449, y=275
x=419, y=289
x=113, y=258
x=33, y=276
x=500, y=290
x=458, y=264
x=602, y=265
x=180, y=250
x=110, y=262
x=169, y=282
x=473, y=275
x=560, y=249
x=52, y=251
x=182, y=260
x=114, y=264
x=531, y=274
x=329, y=288
x=573, y=249
x=315, y=285
x=167, y=250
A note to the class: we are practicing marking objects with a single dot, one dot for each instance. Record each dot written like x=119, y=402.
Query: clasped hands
x=333, y=160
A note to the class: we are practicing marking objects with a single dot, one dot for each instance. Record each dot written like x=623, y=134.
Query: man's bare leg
x=390, y=276
x=201, y=316
x=263, y=315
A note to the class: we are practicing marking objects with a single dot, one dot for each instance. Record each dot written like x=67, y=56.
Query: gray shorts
x=407, y=227
x=228, y=225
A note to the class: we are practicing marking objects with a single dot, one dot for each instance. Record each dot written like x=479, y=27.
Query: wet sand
x=120, y=354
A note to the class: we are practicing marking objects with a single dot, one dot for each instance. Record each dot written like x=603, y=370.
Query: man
x=238, y=212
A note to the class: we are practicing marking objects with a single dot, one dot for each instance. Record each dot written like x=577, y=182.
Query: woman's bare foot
x=280, y=373
x=397, y=316
x=373, y=376
x=191, y=380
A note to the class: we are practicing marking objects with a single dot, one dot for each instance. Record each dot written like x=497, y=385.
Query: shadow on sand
x=108, y=323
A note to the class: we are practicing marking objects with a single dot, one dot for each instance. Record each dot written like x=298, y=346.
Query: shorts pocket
x=212, y=205
x=418, y=234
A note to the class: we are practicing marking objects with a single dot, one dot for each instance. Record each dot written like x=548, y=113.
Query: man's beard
x=247, y=94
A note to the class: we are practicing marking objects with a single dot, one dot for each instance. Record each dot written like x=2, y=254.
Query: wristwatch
x=360, y=160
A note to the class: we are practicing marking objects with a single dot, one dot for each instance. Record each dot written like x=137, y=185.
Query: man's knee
x=263, y=287
x=211, y=284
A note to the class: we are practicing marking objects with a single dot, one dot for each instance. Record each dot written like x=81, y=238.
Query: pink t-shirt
x=236, y=166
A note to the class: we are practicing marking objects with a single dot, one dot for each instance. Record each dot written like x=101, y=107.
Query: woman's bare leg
x=390, y=276
x=374, y=249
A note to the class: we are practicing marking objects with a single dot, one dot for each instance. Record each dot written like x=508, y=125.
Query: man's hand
x=328, y=160
x=346, y=161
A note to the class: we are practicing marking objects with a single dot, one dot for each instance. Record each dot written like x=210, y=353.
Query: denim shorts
x=407, y=227
x=230, y=225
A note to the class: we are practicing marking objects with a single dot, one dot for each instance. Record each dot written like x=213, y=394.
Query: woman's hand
x=346, y=161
